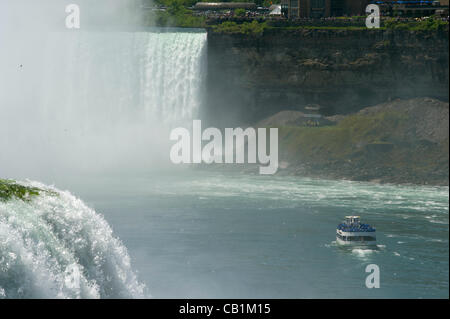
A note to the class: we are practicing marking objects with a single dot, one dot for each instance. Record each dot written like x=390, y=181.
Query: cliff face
x=252, y=77
x=403, y=141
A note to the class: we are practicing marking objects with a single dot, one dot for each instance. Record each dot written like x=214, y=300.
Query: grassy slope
x=366, y=147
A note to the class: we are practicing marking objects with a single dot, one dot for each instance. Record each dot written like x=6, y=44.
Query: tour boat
x=353, y=233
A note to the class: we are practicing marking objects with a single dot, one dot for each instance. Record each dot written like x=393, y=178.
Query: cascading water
x=57, y=247
x=86, y=102
x=144, y=76
x=92, y=101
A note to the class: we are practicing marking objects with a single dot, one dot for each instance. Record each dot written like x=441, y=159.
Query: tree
x=240, y=12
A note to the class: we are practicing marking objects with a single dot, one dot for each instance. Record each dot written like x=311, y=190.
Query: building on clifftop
x=323, y=8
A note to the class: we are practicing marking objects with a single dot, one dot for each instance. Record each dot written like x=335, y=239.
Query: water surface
x=208, y=235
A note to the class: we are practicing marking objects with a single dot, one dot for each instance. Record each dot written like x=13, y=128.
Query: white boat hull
x=341, y=242
x=353, y=233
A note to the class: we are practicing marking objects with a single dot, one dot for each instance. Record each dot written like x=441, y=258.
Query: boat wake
x=363, y=253
x=54, y=246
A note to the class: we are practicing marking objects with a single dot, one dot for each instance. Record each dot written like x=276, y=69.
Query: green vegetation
x=239, y=12
x=189, y=3
x=429, y=24
x=176, y=15
x=258, y=27
x=312, y=27
x=248, y=28
x=10, y=189
x=182, y=19
x=366, y=147
x=344, y=139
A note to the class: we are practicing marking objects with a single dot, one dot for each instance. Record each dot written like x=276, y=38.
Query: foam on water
x=249, y=234
x=362, y=253
x=406, y=201
x=57, y=247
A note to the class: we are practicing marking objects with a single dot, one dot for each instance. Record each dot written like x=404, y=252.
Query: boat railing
x=356, y=228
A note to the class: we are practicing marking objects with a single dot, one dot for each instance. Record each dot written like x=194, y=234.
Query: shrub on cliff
x=10, y=189
x=248, y=28
x=176, y=15
x=429, y=24
x=239, y=12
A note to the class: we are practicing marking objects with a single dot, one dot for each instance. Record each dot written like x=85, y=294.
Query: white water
x=204, y=234
x=91, y=101
x=84, y=102
x=46, y=243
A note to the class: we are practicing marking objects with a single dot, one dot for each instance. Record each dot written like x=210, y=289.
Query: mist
x=95, y=100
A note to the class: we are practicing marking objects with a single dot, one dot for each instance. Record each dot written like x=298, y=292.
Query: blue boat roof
x=356, y=228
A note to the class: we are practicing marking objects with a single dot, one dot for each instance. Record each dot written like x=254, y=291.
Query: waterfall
x=139, y=76
x=90, y=101
x=57, y=247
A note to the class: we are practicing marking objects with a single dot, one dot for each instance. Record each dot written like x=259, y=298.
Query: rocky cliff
x=403, y=141
x=251, y=77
